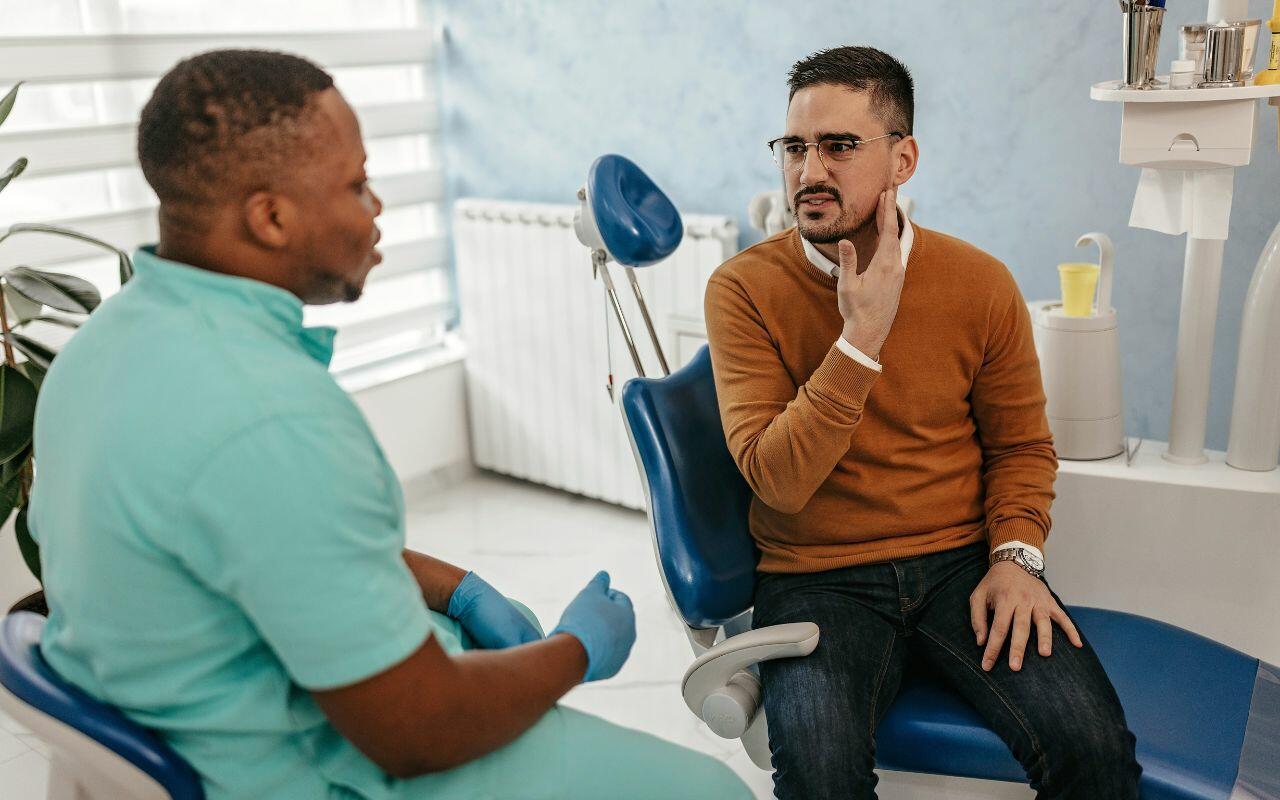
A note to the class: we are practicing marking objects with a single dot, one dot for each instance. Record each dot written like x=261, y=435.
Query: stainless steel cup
x=1141, y=44
x=1224, y=55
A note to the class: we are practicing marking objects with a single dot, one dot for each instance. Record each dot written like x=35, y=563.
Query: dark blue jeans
x=1059, y=715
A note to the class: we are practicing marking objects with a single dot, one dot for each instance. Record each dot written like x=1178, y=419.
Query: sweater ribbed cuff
x=842, y=379
x=1017, y=529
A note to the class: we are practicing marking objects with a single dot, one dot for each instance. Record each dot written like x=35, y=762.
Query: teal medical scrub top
x=220, y=531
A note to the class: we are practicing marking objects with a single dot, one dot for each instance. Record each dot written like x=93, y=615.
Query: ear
x=269, y=219
x=906, y=154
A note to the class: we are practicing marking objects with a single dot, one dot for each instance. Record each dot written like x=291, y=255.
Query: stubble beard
x=842, y=227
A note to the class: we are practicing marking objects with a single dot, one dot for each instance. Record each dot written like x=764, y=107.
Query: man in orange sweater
x=880, y=391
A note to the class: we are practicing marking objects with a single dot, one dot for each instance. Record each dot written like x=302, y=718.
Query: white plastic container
x=1182, y=74
x=1080, y=368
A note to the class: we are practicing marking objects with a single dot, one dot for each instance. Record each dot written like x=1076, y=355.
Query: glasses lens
x=788, y=154
x=835, y=151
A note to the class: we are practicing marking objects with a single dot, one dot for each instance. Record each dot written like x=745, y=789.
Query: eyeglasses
x=835, y=152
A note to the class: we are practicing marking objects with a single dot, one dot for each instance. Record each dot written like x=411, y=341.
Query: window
x=90, y=65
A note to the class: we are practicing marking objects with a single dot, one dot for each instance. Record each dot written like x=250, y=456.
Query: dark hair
x=866, y=69
x=224, y=118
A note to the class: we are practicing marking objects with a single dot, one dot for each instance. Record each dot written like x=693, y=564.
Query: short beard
x=834, y=231
x=326, y=291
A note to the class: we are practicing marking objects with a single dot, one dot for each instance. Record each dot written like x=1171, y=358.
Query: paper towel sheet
x=1175, y=201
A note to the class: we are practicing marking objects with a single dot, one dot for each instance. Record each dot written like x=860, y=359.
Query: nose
x=812, y=170
x=377, y=203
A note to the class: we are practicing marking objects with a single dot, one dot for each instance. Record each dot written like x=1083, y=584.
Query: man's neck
x=219, y=254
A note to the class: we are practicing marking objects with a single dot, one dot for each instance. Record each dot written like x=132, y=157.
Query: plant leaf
x=54, y=289
x=50, y=319
x=9, y=491
x=38, y=353
x=23, y=308
x=34, y=373
x=14, y=465
x=126, y=267
x=6, y=105
x=17, y=411
x=30, y=550
x=15, y=169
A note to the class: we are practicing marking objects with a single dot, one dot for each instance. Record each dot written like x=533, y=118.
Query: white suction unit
x=1080, y=366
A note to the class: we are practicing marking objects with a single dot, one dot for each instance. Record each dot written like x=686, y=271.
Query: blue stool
x=1206, y=717
x=97, y=753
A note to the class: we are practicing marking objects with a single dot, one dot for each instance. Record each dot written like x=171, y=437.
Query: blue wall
x=1015, y=157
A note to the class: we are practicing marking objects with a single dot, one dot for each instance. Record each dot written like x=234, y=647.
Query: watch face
x=1032, y=561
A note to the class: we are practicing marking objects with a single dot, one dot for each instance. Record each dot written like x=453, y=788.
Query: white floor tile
x=8, y=723
x=11, y=746
x=35, y=743
x=25, y=777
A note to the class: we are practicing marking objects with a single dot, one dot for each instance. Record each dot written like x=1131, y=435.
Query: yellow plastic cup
x=1078, y=284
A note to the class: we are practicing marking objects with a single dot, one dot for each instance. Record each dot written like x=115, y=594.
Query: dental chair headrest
x=627, y=215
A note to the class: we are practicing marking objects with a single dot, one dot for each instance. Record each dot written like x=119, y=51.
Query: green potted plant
x=31, y=297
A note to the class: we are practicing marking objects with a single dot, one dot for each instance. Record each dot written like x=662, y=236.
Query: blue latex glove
x=604, y=621
x=493, y=622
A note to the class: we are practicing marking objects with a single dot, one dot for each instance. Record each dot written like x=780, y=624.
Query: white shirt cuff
x=856, y=354
x=1035, y=551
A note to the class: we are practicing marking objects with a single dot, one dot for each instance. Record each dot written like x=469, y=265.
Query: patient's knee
x=1093, y=761
x=529, y=615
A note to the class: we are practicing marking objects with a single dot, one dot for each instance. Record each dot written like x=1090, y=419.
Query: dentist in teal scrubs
x=223, y=539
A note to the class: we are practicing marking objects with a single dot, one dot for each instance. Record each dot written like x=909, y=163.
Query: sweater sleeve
x=786, y=439
x=1008, y=402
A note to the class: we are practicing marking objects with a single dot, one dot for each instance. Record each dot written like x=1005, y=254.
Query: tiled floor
x=540, y=546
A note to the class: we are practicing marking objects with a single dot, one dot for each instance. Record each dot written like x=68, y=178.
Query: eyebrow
x=825, y=136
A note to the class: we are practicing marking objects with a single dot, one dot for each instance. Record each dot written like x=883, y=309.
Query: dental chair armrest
x=717, y=686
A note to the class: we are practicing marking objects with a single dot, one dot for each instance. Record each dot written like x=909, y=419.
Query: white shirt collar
x=906, y=238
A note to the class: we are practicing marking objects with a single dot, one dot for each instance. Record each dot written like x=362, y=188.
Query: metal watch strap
x=1018, y=556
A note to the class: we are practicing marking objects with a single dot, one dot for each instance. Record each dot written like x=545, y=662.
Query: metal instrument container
x=1224, y=62
x=1193, y=38
x=1141, y=43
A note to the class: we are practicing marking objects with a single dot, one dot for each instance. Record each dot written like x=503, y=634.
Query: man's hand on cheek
x=1005, y=605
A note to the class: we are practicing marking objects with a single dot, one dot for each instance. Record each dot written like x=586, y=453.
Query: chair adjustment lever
x=717, y=686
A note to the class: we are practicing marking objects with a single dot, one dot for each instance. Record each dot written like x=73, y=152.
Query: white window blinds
x=90, y=65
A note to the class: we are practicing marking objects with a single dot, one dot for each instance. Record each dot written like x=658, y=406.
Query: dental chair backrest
x=698, y=500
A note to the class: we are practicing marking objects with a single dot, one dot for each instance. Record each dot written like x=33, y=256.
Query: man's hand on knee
x=1014, y=600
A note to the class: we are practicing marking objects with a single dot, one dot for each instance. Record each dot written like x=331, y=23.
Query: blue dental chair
x=97, y=753
x=1206, y=717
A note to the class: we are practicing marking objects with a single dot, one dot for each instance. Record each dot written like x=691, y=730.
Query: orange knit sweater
x=949, y=444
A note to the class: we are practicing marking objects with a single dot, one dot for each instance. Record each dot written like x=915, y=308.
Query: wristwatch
x=1023, y=558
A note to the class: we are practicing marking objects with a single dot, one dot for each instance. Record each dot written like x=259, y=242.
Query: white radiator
x=537, y=359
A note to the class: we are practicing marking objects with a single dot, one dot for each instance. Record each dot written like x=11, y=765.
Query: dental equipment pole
x=1228, y=9
x=648, y=321
x=600, y=265
x=1189, y=414
x=1201, y=281
x=1255, y=411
